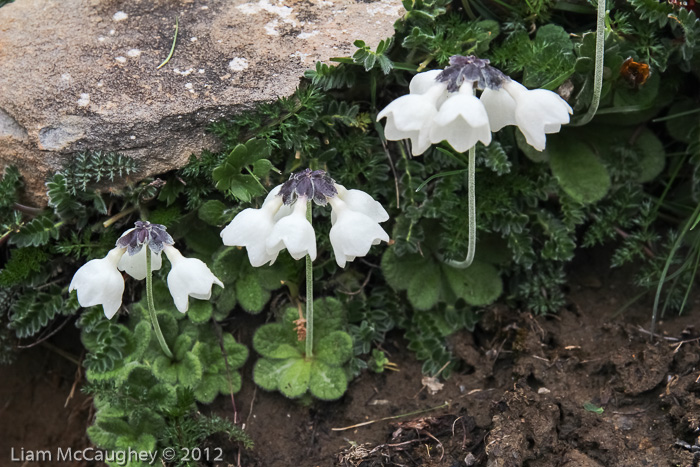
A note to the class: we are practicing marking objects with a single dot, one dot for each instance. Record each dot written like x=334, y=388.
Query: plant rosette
x=284, y=366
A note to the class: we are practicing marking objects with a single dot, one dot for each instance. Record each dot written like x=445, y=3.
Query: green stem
x=151, y=305
x=598, y=73
x=471, y=185
x=309, y=297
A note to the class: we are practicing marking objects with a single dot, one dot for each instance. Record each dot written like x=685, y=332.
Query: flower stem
x=599, y=55
x=471, y=212
x=151, y=305
x=309, y=296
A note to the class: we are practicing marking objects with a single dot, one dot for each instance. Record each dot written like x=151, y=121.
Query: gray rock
x=82, y=74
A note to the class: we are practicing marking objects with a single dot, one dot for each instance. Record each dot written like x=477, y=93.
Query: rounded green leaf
x=200, y=311
x=211, y=212
x=251, y=296
x=400, y=270
x=578, y=170
x=189, y=370
x=334, y=349
x=478, y=285
x=327, y=382
x=164, y=370
x=272, y=340
x=294, y=378
x=236, y=354
x=266, y=372
x=653, y=156
x=424, y=288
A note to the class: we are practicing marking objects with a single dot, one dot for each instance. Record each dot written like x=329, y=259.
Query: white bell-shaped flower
x=461, y=121
x=353, y=232
x=411, y=117
x=423, y=82
x=500, y=108
x=537, y=112
x=252, y=227
x=358, y=200
x=293, y=232
x=99, y=282
x=189, y=277
x=135, y=265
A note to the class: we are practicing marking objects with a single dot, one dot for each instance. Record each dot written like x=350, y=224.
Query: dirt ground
x=581, y=388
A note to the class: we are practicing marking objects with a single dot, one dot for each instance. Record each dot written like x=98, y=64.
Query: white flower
x=293, y=232
x=411, y=116
x=353, y=232
x=536, y=112
x=189, y=277
x=461, y=121
x=135, y=265
x=358, y=200
x=423, y=82
x=99, y=282
x=252, y=227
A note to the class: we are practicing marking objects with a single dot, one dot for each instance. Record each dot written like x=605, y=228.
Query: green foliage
x=546, y=62
x=245, y=285
x=10, y=184
x=148, y=399
x=284, y=367
x=22, y=265
x=428, y=281
x=35, y=309
x=36, y=232
x=250, y=157
x=577, y=169
x=369, y=59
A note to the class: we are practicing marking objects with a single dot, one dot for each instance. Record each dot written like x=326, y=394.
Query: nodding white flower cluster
x=281, y=222
x=442, y=106
x=100, y=282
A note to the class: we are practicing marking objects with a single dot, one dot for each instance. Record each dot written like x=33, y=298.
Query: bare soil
x=582, y=388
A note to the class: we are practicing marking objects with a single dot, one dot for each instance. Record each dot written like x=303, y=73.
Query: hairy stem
x=309, y=297
x=598, y=72
x=471, y=212
x=151, y=305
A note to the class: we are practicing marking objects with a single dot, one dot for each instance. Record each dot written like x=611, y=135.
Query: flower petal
x=135, y=265
x=422, y=82
x=99, y=282
x=294, y=233
x=461, y=121
x=500, y=108
x=353, y=233
x=189, y=277
x=358, y=200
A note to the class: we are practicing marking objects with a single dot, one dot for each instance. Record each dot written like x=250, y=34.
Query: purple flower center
x=471, y=68
x=145, y=233
x=308, y=184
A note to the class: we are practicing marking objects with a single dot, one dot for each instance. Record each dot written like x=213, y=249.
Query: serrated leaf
x=36, y=232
